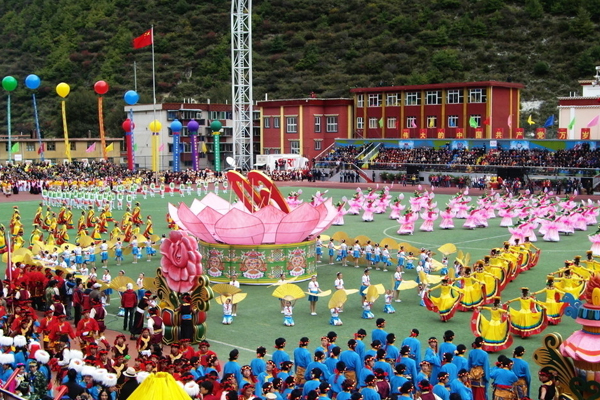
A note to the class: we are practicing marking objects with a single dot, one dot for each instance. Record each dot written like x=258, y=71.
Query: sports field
x=259, y=321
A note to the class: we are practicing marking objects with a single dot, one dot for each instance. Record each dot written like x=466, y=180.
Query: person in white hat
x=129, y=385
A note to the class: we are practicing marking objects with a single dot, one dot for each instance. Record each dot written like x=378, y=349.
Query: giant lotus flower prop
x=260, y=217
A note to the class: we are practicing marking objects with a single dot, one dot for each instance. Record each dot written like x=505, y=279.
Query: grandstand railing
x=558, y=172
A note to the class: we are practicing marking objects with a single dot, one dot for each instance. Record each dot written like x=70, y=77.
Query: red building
x=487, y=109
x=303, y=126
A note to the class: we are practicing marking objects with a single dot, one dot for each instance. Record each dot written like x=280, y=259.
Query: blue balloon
x=176, y=126
x=32, y=81
x=131, y=97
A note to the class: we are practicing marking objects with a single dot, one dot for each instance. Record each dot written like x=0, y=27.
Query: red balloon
x=101, y=87
x=128, y=125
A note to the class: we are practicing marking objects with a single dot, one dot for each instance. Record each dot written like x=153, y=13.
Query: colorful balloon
x=193, y=126
x=216, y=126
x=101, y=87
x=128, y=125
x=176, y=126
x=131, y=97
x=155, y=126
x=32, y=81
x=9, y=83
x=63, y=89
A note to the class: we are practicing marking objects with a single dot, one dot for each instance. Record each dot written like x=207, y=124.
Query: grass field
x=259, y=321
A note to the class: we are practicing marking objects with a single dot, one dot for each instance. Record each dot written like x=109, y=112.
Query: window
x=172, y=115
x=360, y=100
x=30, y=147
x=317, y=124
x=455, y=96
x=434, y=97
x=475, y=119
x=411, y=122
x=51, y=146
x=360, y=123
x=431, y=121
x=477, y=96
x=318, y=144
x=375, y=100
x=295, y=147
x=291, y=124
x=391, y=123
x=392, y=99
x=452, y=121
x=266, y=151
x=332, y=124
x=373, y=123
x=72, y=146
x=276, y=151
x=186, y=147
x=276, y=122
x=267, y=122
x=413, y=99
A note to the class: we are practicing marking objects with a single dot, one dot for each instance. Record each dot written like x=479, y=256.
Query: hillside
x=300, y=46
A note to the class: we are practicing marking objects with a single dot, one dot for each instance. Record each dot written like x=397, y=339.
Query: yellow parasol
x=288, y=291
x=236, y=298
x=338, y=299
x=225, y=289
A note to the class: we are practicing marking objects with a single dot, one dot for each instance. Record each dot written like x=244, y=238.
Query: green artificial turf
x=259, y=321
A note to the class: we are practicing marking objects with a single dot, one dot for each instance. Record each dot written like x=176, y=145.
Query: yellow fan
x=235, y=298
x=321, y=294
x=85, y=241
x=351, y=291
x=467, y=259
x=283, y=282
x=362, y=239
x=406, y=285
x=372, y=293
x=338, y=299
x=391, y=243
x=436, y=265
x=155, y=238
x=448, y=248
x=149, y=283
x=37, y=247
x=380, y=288
x=65, y=271
x=460, y=257
x=325, y=238
x=120, y=283
x=288, y=291
x=141, y=238
x=127, y=251
x=451, y=273
x=225, y=289
x=338, y=236
x=66, y=246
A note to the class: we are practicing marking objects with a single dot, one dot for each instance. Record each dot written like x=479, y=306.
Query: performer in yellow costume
x=491, y=282
x=3, y=248
x=96, y=232
x=570, y=282
x=17, y=227
x=136, y=215
x=82, y=223
x=553, y=304
x=69, y=218
x=126, y=219
x=149, y=231
x=447, y=303
x=37, y=218
x=36, y=235
x=495, y=331
x=525, y=321
x=89, y=219
x=116, y=232
x=62, y=236
x=473, y=291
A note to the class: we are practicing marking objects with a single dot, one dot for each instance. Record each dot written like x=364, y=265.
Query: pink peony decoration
x=181, y=262
x=214, y=220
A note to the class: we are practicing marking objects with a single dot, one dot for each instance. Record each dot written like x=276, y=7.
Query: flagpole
x=154, y=93
x=135, y=74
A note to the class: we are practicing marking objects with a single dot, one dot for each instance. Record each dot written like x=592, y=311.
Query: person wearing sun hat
x=129, y=385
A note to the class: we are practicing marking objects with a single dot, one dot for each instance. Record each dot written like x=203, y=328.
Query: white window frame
x=392, y=99
x=375, y=100
x=477, y=118
x=276, y=122
x=332, y=124
x=477, y=95
x=318, y=124
x=433, y=97
x=452, y=118
x=30, y=147
x=360, y=100
x=267, y=122
x=318, y=145
x=373, y=123
x=455, y=96
x=410, y=120
x=295, y=147
x=291, y=124
x=360, y=123
x=412, y=98
x=431, y=118
x=392, y=123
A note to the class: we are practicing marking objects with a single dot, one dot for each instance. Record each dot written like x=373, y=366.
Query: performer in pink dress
x=407, y=223
x=341, y=211
x=369, y=209
x=355, y=204
x=447, y=222
x=396, y=208
x=428, y=218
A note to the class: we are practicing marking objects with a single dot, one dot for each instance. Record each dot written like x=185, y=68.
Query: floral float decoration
x=238, y=238
x=576, y=360
x=181, y=273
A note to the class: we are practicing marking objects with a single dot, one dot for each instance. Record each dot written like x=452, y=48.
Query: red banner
x=478, y=133
x=460, y=133
x=562, y=133
x=540, y=133
x=585, y=133
x=519, y=133
x=423, y=133
x=441, y=133
x=499, y=133
x=405, y=133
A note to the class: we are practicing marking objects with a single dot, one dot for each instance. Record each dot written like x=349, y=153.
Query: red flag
x=146, y=39
x=486, y=121
x=41, y=148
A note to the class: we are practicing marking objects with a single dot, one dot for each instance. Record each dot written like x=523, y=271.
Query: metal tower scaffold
x=241, y=82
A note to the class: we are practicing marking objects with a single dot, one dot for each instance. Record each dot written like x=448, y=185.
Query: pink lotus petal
x=173, y=213
x=297, y=225
x=218, y=203
x=197, y=206
x=192, y=224
x=326, y=220
x=238, y=227
x=271, y=217
x=209, y=217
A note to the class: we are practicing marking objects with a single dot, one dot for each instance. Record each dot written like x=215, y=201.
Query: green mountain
x=300, y=46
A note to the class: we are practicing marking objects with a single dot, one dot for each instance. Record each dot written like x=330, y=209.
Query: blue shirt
x=379, y=334
x=312, y=384
x=441, y=391
x=392, y=352
x=456, y=386
x=446, y=347
x=279, y=356
x=411, y=367
x=258, y=365
x=521, y=369
x=370, y=394
x=461, y=363
x=504, y=377
x=415, y=349
x=396, y=383
x=352, y=360
x=302, y=358
x=451, y=370
x=479, y=357
x=360, y=349
x=321, y=366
